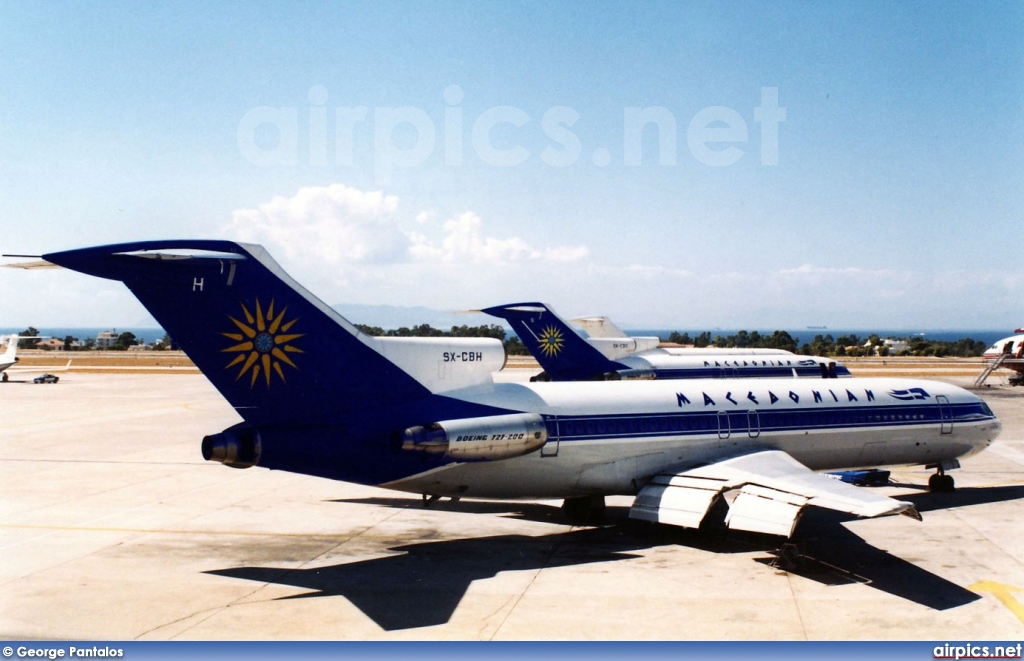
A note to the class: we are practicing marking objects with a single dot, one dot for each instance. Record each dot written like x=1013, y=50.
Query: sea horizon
x=802, y=335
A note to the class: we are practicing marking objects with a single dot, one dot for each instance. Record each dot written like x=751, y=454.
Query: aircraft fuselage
x=1012, y=350
x=611, y=438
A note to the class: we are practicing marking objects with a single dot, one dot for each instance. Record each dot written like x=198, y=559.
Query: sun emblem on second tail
x=551, y=341
x=263, y=344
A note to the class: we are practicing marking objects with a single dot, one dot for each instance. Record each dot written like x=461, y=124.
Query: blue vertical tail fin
x=562, y=352
x=278, y=354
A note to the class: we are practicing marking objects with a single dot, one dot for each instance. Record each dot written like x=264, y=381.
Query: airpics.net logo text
x=407, y=136
x=971, y=651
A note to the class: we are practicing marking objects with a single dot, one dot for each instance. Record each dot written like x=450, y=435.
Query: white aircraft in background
x=613, y=342
x=318, y=397
x=565, y=355
x=10, y=358
x=1009, y=353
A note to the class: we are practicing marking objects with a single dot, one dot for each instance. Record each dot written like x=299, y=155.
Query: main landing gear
x=940, y=482
x=586, y=509
x=430, y=499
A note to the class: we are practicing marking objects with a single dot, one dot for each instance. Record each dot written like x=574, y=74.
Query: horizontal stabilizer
x=37, y=264
x=599, y=327
x=766, y=491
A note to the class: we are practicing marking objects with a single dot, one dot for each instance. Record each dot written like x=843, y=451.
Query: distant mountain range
x=393, y=316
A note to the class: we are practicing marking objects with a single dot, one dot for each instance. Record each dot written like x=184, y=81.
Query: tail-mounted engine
x=479, y=439
x=236, y=447
x=633, y=375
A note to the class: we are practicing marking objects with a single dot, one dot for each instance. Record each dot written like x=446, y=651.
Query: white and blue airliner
x=320, y=398
x=565, y=355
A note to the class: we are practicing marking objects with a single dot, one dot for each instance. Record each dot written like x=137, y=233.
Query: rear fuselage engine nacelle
x=479, y=439
x=237, y=448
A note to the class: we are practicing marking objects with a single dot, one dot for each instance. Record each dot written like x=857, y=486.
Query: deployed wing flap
x=766, y=492
x=676, y=500
x=765, y=510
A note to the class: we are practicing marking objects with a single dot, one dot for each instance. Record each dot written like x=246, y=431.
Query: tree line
x=826, y=345
x=30, y=340
x=820, y=345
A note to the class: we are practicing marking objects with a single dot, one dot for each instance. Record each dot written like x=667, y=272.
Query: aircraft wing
x=39, y=368
x=766, y=492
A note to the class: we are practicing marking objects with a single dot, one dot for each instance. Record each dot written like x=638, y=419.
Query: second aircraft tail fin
x=562, y=352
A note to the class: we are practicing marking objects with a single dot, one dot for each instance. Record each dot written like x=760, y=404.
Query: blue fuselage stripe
x=624, y=427
x=760, y=372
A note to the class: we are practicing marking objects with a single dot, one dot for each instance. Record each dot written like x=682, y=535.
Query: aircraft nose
x=989, y=430
x=996, y=427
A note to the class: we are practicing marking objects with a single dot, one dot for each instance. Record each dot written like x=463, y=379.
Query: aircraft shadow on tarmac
x=828, y=552
x=423, y=585
x=964, y=497
x=522, y=510
x=825, y=551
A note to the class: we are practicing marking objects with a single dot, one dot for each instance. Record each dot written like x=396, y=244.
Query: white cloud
x=566, y=254
x=356, y=246
x=355, y=233
x=343, y=226
x=335, y=225
x=463, y=241
x=991, y=282
x=641, y=272
x=810, y=270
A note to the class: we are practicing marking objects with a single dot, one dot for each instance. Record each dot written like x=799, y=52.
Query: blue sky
x=462, y=155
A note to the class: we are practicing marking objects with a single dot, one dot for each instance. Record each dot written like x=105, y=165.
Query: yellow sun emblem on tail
x=551, y=341
x=263, y=344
